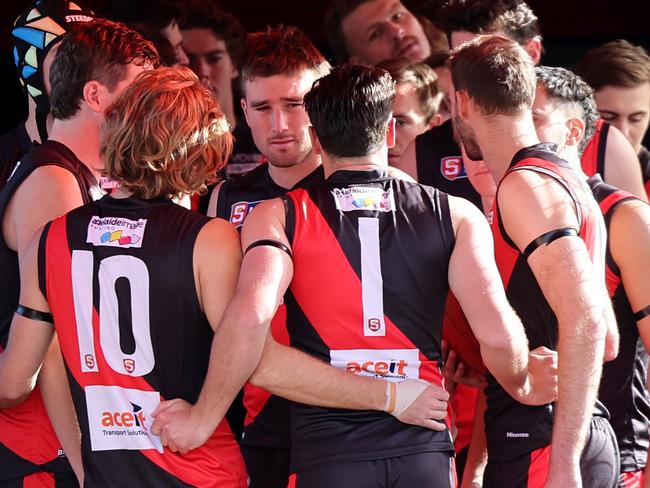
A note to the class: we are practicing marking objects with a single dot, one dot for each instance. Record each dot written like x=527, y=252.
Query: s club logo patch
x=452, y=168
x=240, y=210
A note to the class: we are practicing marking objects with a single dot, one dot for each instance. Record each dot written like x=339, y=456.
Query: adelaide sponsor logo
x=452, y=168
x=115, y=232
x=389, y=364
x=240, y=210
x=364, y=198
x=120, y=418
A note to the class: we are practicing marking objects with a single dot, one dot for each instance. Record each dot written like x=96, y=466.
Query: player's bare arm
x=622, y=168
x=533, y=205
x=29, y=339
x=504, y=347
x=629, y=243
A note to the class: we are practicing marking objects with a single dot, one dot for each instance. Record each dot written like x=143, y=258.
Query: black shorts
x=16, y=472
x=599, y=463
x=424, y=470
x=267, y=468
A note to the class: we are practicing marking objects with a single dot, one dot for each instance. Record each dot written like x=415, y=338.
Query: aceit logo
x=452, y=168
x=135, y=418
x=390, y=364
x=118, y=418
x=240, y=210
x=380, y=368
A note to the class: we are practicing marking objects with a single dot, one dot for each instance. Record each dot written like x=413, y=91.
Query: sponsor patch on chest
x=120, y=418
x=115, y=232
x=452, y=168
x=364, y=198
x=240, y=210
x=389, y=364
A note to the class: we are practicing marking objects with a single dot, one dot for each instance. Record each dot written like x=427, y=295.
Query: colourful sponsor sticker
x=364, y=198
x=115, y=232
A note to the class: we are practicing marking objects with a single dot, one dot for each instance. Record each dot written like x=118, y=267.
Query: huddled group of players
x=432, y=280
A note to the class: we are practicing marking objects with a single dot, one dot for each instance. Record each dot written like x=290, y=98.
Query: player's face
x=627, y=109
x=381, y=29
x=551, y=122
x=173, y=34
x=409, y=120
x=464, y=131
x=479, y=176
x=210, y=60
x=275, y=113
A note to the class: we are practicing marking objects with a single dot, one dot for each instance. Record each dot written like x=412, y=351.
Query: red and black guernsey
x=440, y=163
x=118, y=275
x=593, y=157
x=513, y=429
x=267, y=416
x=26, y=430
x=622, y=388
x=371, y=256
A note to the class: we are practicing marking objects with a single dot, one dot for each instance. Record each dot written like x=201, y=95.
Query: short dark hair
x=96, y=50
x=204, y=14
x=421, y=77
x=350, y=109
x=616, y=63
x=279, y=50
x=512, y=17
x=573, y=94
x=497, y=74
x=334, y=15
x=155, y=13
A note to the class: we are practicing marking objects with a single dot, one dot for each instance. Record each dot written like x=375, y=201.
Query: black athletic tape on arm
x=547, y=238
x=30, y=313
x=643, y=313
x=270, y=242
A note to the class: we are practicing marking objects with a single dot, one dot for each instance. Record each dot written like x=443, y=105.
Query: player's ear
x=318, y=149
x=534, y=49
x=391, y=134
x=576, y=131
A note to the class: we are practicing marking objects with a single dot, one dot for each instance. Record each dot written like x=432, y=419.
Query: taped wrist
x=400, y=396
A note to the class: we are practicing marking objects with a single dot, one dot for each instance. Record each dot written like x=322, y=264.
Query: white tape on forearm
x=400, y=396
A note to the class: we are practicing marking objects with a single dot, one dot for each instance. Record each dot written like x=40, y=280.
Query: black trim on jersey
x=270, y=242
x=641, y=314
x=34, y=314
x=602, y=146
x=42, y=283
x=545, y=151
x=547, y=238
x=289, y=218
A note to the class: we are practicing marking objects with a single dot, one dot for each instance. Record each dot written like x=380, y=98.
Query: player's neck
x=374, y=161
x=288, y=177
x=30, y=124
x=82, y=138
x=502, y=139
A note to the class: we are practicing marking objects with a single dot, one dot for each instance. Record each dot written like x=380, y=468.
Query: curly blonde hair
x=165, y=135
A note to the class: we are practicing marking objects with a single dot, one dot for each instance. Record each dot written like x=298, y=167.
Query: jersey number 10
x=141, y=361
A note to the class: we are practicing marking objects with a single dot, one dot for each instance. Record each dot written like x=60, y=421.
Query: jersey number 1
x=141, y=361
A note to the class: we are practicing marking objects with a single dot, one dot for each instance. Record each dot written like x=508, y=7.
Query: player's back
x=371, y=256
x=118, y=275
